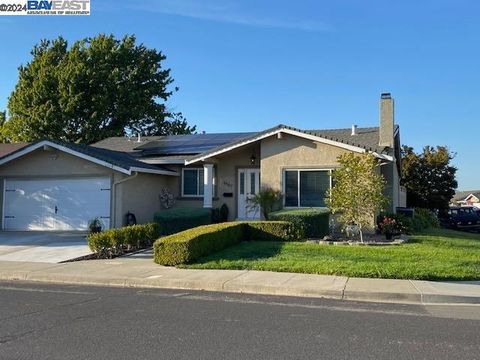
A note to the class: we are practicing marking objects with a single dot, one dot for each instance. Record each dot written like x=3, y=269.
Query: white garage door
x=56, y=204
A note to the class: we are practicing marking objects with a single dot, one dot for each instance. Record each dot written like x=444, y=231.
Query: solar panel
x=189, y=144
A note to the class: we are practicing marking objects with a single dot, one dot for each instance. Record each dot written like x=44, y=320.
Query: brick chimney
x=386, y=120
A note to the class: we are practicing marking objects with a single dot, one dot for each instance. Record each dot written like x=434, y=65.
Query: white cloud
x=226, y=12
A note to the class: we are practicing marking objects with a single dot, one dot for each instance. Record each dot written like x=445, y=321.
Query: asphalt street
x=40, y=321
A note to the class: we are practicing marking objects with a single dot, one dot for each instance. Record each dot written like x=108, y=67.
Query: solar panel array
x=189, y=144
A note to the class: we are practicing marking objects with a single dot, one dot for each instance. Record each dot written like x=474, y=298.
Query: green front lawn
x=436, y=254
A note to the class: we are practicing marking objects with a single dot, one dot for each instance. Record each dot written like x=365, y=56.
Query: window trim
x=197, y=169
x=298, y=170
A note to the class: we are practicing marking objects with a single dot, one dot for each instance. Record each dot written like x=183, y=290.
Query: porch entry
x=248, y=181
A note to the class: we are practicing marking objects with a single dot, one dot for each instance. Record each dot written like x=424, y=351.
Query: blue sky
x=249, y=65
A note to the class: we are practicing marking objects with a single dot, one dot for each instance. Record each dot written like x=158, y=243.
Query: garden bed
x=368, y=240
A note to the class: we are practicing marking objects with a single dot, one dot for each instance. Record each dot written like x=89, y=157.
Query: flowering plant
x=389, y=225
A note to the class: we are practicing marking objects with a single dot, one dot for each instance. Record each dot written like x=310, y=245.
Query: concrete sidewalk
x=141, y=271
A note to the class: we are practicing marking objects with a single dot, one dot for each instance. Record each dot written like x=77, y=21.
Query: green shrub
x=421, y=220
x=114, y=241
x=189, y=245
x=426, y=218
x=178, y=219
x=267, y=200
x=272, y=231
x=192, y=244
x=312, y=223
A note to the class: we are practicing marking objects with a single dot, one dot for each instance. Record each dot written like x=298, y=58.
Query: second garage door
x=56, y=204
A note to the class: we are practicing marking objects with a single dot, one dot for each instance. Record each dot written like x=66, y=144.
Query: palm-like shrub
x=267, y=199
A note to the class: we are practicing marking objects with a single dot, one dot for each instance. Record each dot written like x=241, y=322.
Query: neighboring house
x=467, y=198
x=49, y=185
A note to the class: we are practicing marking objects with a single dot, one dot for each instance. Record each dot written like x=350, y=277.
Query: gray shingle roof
x=117, y=158
x=187, y=146
x=366, y=138
x=123, y=143
x=462, y=195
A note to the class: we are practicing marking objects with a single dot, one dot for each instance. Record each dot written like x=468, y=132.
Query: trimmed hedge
x=192, y=244
x=178, y=219
x=114, y=242
x=271, y=231
x=312, y=223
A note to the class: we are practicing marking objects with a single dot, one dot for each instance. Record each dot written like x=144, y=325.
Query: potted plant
x=95, y=226
x=389, y=227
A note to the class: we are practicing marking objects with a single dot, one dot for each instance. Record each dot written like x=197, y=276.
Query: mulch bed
x=368, y=240
x=110, y=254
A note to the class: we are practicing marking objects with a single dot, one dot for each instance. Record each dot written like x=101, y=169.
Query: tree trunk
x=361, y=234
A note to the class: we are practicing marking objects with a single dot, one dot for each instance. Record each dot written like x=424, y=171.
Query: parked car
x=466, y=217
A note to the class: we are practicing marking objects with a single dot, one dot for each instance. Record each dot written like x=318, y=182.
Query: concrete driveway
x=47, y=247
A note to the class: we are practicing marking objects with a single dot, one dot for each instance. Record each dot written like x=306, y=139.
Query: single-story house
x=51, y=185
x=467, y=198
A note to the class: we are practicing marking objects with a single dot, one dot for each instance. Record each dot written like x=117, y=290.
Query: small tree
x=266, y=199
x=357, y=194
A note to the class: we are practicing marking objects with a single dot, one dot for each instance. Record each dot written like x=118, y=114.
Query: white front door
x=56, y=204
x=248, y=187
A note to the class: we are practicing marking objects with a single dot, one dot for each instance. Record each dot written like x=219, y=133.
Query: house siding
x=227, y=178
x=226, y=168
x=294, y=152
x=140, y=196
x=392, y=189
x=137, y=195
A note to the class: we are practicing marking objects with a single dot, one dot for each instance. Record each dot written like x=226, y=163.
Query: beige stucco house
x=49, y=185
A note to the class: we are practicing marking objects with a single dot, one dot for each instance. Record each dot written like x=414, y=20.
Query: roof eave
x=30, y=148
x=35, y=146
x=287, y=130
x=154, y=171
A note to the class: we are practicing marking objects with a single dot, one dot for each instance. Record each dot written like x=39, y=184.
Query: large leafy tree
x=429, y=177
x=3, y=118
x=96, y=88
x=357, y=194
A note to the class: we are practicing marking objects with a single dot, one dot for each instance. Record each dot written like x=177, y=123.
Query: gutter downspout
x=114, y=200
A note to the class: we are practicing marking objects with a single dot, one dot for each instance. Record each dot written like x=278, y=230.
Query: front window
x=193, y=180
x=306, y=188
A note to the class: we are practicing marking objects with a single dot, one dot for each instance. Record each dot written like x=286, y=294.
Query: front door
x=248, y=187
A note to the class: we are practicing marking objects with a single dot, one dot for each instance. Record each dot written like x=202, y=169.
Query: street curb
x=389, y=297
x=235, y=285
x=450, y=299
